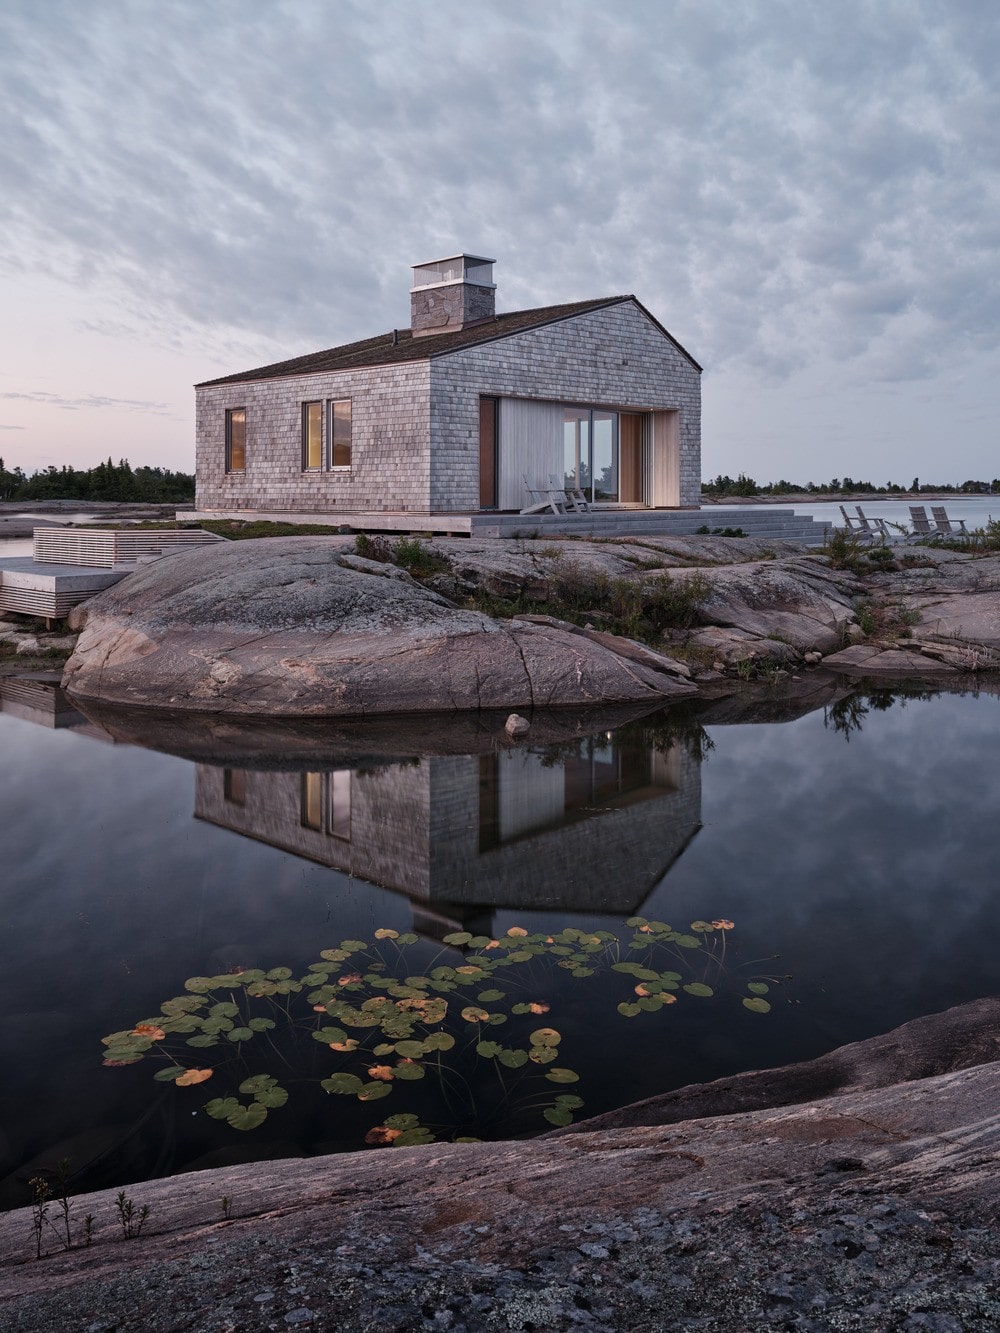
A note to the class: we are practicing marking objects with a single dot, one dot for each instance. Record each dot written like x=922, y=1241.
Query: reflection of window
x=340, y=433
x=522, y=793
x=312, y=435
x=312, y=800
x=326, y=803
x=236, y=439
x=234, y=785
x=340, y=804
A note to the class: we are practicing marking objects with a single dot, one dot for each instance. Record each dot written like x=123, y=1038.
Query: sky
x=806, y=194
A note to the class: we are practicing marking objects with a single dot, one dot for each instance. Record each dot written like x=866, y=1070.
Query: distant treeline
x=746, y=486
x=107, y=481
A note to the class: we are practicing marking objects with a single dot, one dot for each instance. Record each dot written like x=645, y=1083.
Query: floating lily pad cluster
x=387, y=1025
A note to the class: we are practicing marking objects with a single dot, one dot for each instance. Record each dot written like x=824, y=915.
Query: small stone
x=516, y=725
x=299, y=1316
x=594, y=1251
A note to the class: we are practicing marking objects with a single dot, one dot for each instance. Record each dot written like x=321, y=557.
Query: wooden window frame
x=308, y=466
x=231, y=413
x=331, y=406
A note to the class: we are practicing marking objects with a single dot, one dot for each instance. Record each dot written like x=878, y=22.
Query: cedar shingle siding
x=415, y=404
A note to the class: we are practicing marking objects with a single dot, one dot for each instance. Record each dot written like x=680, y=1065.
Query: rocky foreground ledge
x=308, y=627
x=865, y=1199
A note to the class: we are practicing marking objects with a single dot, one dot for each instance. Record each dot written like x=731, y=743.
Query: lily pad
x=545, y=1037
x=513, y=1059
x=410, y=1138
x=247, y=1117
x=562, y=1076
x=347, y=1085
x=221, y=1108
x=558, y=1115
x=757, y=1005
x=272, y=1097
x=373, y=1092
x=257, y=1083
x=408, y=1072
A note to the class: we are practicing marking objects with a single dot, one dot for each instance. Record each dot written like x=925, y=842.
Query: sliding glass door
x=590, y=459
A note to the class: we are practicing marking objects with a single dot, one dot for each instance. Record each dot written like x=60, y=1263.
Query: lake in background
x=854, y=848
x=976, y=510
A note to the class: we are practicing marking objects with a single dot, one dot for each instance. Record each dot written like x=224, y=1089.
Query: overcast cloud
x=806, y=194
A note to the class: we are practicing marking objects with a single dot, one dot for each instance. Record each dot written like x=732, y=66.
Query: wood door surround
x=488, y=452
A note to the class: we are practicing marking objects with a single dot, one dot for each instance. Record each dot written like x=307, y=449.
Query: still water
x=852, y=841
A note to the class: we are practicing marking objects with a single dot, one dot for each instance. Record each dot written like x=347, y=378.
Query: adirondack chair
x=544, y=497
x=922, y=524
x=945, y=525
x=861, y=528
x=575, y=498
x=875, y=529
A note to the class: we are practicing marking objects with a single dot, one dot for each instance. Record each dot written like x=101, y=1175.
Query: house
x=461, y=412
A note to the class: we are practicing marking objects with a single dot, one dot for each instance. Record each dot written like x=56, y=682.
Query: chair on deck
x=851, y=524
x=575, y=498
x=544, y=497
x=944, y=524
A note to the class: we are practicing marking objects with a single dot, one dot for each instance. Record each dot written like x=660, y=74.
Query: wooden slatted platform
x=108, y=547
x=70, y=565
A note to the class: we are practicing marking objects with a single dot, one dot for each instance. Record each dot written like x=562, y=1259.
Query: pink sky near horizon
x=807, y=200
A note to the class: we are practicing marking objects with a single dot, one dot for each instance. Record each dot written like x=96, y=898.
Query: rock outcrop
x=800, y=602
x=873, y=1208
x=299, y=626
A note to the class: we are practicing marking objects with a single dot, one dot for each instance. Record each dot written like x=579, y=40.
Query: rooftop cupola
x=451, y=293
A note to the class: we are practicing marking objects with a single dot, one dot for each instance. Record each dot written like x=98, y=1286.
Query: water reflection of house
x=594, y=829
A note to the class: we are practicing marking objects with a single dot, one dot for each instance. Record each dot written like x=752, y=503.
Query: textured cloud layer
x=783, y=183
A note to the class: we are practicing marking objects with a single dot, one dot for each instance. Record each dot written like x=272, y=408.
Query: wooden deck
x=758, y=521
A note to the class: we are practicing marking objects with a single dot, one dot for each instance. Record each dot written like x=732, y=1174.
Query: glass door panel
x=604, y=437
x=576, y=439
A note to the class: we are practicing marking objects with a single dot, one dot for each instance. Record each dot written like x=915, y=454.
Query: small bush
x=417, y=559
x=374, y=548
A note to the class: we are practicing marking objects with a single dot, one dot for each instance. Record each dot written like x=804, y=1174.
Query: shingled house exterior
x=462, y=412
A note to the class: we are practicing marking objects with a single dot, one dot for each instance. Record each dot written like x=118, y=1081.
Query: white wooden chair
x=945, y=525
x=575, y=498
x=544, y=497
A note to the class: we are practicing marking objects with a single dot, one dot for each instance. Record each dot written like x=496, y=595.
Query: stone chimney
x=449, y=294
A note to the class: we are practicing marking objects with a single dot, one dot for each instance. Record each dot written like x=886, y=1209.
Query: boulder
x=300, y=627
x=801, y=602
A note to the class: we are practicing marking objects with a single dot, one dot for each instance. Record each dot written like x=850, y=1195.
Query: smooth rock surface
x=296, y=626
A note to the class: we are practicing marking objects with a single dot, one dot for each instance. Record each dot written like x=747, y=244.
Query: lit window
x=236, y=439
x=312, y=435
x=340, y=433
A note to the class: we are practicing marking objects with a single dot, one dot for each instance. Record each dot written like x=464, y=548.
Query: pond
x=837, y=859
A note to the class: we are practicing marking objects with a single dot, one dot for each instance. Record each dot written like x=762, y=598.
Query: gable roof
x=400, y=344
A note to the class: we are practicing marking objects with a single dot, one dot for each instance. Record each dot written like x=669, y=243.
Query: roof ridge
x=399, y=345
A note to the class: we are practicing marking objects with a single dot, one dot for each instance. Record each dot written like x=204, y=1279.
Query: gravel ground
x=857, y=1262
